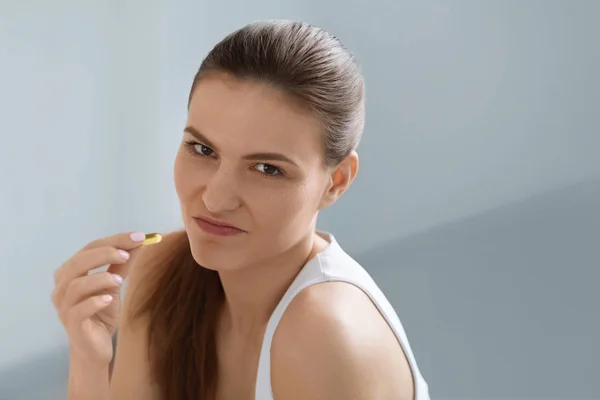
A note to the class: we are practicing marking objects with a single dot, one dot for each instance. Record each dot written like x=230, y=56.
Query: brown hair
x=184, y=299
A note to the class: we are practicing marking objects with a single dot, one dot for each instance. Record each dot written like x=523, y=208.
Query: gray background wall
x=476, y=209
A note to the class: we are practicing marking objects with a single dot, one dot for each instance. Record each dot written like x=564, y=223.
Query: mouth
x=218, y=228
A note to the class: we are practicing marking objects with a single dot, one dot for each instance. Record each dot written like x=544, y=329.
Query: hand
x=88, y=305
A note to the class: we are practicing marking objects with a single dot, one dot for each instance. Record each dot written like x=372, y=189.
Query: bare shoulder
x=332, y=343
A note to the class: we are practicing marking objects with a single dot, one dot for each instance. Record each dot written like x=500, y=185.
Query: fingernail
x=118, y=278
x=124, y=255
x=137, y=236
x=107, y=298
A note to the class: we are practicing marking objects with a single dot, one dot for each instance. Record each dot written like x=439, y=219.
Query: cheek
x=187, y=179
x=284, y=208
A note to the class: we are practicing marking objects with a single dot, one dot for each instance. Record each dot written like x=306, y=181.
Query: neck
x=251, y=294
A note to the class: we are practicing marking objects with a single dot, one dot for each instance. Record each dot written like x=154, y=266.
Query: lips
x=219, y=228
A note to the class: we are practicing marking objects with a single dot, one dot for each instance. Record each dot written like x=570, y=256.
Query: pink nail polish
x=137, y=236
x=118, y=278
x=124, y=255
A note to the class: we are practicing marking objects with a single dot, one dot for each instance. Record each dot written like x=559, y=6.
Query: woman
x=249, y=301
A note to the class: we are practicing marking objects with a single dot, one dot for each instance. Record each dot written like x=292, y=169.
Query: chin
x=213, y=256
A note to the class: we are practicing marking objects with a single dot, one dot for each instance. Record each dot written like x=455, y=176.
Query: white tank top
x=334, y=265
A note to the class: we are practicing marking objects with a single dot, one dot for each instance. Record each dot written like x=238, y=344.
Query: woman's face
x=252, y=158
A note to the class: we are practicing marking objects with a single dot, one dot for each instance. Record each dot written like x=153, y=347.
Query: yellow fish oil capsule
x=152, y=238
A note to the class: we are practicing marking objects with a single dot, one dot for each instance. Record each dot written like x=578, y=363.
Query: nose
x=220, y=194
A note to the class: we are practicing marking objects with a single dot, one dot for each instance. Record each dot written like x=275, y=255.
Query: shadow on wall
x=503, y=305
x=498, y=306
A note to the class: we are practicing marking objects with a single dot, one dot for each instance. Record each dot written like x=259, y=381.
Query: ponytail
x=181, y=301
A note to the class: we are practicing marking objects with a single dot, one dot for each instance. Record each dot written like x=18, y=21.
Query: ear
x=340, y=179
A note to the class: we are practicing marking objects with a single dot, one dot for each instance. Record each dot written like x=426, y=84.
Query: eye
x=199, y=150
x=204, y=150
x=268, y=169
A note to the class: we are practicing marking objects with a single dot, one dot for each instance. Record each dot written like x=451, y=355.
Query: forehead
x=253, y=116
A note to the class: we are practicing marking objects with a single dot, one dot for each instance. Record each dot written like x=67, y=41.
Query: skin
x=332, y=343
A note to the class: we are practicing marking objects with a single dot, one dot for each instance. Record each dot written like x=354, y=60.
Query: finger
x=87, y=308
x=122, y=269
x=125, y=241
x=85, y=261
x=89, y=286
x=151, y=239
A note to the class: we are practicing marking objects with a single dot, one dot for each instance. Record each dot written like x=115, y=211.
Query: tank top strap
x=333, y=265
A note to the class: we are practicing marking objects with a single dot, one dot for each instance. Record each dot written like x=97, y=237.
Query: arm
x=332, y=343
x=87, y=381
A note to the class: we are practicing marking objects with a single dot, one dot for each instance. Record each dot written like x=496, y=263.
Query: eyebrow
x=254, y=157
